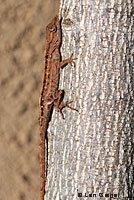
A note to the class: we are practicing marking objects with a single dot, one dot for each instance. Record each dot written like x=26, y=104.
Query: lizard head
x=53, y=31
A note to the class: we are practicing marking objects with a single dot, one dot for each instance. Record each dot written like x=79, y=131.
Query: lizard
x=50, y=96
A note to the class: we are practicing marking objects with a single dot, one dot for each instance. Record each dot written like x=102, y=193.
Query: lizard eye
x=53, y=28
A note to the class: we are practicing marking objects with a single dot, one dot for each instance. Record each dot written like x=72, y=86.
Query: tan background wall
x=22, y=39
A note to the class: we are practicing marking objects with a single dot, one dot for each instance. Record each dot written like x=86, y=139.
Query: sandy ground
x=22, y=39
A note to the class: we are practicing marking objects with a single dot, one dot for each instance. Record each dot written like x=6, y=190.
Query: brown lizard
x=50, y=95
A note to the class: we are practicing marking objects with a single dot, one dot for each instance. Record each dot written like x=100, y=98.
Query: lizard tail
x=42, y=162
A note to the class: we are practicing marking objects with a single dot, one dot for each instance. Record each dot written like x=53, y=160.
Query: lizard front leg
x=58, y=102
x=69, y=60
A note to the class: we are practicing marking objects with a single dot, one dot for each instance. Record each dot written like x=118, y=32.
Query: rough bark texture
x=92, y=152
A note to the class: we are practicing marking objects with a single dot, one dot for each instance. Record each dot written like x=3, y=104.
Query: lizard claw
x=71, y=60
x=66, y=105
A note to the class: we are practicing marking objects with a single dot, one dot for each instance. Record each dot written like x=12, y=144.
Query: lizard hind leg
x=59, y=105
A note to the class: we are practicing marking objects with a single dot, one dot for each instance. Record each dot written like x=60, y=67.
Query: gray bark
x=92, y=151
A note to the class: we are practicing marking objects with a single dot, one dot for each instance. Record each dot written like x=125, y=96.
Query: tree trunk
x=91, y=152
